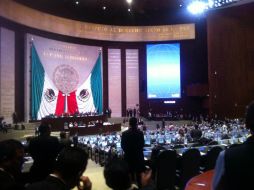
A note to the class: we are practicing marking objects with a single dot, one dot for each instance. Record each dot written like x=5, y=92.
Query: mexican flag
x=48, y=99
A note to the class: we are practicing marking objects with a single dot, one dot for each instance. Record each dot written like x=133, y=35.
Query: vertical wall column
x=114, y=82
x=7, y=74
x=132, y=78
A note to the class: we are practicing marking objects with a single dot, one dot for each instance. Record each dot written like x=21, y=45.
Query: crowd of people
x=55, y=165
x=132, y=112
x=60, y=164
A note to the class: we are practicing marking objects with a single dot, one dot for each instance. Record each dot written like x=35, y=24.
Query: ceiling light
x=210, y=3
x=104, y=8
x=77, y=2
x=129, y=1
x=197, y=7
x=129, y=10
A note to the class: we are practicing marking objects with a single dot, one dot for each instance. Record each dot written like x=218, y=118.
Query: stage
x=85, y=125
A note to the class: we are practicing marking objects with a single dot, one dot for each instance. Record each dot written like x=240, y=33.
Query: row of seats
x=170, y=170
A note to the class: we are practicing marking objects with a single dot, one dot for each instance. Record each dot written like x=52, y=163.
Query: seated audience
x=196, y=133
x=234, y=167
x=117, y=176
x=43, y=150
x=11, y=161
x=70, y=165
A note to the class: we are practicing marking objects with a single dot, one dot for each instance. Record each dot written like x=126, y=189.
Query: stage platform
x=30, y=128
x=85, y=125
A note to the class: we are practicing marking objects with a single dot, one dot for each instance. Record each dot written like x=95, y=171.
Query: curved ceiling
x=115, y=12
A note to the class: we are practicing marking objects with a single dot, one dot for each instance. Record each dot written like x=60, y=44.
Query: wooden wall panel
x=230, y=60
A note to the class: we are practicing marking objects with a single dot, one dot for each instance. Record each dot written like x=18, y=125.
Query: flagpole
x=30, y=81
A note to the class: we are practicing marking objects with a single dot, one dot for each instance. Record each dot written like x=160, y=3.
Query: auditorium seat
x=189, y=166
x=165, y=170
x=211, y=157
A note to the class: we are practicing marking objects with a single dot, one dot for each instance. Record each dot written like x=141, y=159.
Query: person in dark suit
x=64, y=140
x=68, y=173
x=134, y=112
x=234, y=166
x=43, y=150
x=130, y=112
x=11, y=161
x=132, y=143
x=163, y=124
x=117, y=177
x=109, y=112
x=196, y=133
x=15, y=118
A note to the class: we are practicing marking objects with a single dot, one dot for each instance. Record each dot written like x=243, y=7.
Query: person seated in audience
x=196, y=133
x=144, y=128
x=224, y=128
x=66, y=126
x=140, y=121
x=75, y=139
x=11, y=161
x=75, y=124
x=117, y=177
x=234, y=166
x=71, y=125
x=158, y=128
x=68, y=172
x=43, y=150
x=64, y=141
x=179, y=137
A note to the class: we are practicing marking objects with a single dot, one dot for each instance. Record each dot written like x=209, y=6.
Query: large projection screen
x=163, y=71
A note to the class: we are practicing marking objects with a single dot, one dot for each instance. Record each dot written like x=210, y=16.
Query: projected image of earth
x=163, y=71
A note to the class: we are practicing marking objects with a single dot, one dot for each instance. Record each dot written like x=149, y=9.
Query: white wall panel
x=132, y=78
x=114, y=82
x=7, y=74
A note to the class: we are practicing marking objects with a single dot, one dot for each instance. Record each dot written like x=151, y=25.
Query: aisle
x=95, y=173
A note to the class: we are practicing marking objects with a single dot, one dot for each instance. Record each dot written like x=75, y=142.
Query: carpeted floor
x=95, y=174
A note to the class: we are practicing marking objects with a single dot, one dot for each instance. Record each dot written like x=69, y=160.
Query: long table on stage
x=58, y=123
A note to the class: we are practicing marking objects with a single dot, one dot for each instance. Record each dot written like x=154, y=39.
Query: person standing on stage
x=130, y=112
x=127, y=112
x=134, y=112
x=109, y=112
x=132, y=143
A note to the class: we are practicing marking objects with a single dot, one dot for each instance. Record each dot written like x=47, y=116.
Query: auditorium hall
x=173, y=77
